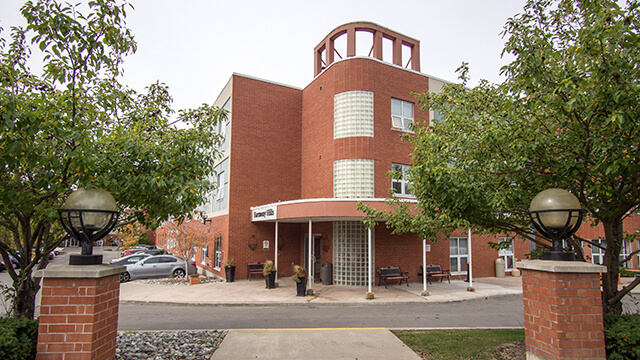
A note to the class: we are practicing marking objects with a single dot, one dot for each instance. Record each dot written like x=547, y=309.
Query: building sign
x=264, y=213
x=265, y=245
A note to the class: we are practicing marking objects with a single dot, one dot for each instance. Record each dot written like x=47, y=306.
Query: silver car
x=130, y=259
x=159, y=266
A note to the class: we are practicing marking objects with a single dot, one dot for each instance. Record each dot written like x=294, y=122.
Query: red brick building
x=296, y=162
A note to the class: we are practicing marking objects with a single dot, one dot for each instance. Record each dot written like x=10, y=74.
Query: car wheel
x=124, y=277
x=178, y=273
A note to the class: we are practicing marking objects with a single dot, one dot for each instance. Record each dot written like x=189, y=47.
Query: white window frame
x=459, y=255
x=220, y=187
x=203, y=255
x=403, y=183
x=218, y=252
x=507, y=254
x=625, y=250
x=404, y=117
x=598, y=253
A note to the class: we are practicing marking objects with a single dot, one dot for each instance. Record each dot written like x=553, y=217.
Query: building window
x=353, y=114
x=203, y=255
x=458, y=255
x=625, y=250
x=353, y=178
x=401, y=186
x=220, y=187
x=597, y=254
x=506, y=252
x=223, y=127
x=218, y=252
x=350, y=253
x=401, y=114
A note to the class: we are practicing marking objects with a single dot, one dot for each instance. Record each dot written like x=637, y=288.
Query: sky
x=194, y=46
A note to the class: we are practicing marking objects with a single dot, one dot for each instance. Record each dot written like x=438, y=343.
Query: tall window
x=223, y=126
x=401, y=186
x=401, y=114
x=218, y=251
x=625, y=250
x=597, y=254
x=458, y=255
x=506, y=253
x=220, y=187
x=203, y=255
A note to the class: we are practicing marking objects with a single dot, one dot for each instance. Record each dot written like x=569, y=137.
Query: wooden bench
x=435, y=271
x=255, y=269
x=392, y=273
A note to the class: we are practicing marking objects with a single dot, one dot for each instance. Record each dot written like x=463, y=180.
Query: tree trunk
x=24, y=303
x=614, y=236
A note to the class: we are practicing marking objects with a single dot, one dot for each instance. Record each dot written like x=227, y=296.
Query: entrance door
x=316, y=259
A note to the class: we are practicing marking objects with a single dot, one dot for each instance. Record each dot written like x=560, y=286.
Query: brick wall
x=78, y=318
x=563, y=314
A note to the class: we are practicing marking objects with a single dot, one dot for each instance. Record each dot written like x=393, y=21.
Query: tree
x=567, y=115
x=130, y=234
x=77, y=126
x=184, y=238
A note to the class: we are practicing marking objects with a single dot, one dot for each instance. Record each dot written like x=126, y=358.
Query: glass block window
x=597, y=254
x=353, y=114
x=350, y=253
x=353, y=178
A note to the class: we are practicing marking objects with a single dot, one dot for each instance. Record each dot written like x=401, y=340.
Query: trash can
x=327, y=273
x=500, y=267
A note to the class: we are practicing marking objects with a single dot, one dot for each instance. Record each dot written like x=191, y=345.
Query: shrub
x=18, y=338
x=622, y=336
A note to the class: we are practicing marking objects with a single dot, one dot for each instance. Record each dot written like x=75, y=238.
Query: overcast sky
x=195, y=45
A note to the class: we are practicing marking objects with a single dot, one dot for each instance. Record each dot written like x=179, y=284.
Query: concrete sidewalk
x=254, y=293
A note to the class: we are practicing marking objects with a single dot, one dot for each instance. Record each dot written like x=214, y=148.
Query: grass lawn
x=465, y=344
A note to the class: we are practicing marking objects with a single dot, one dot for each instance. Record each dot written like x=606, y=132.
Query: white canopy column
x=310, y=263
x=275, y=261
x=370, y=279
x=470, y=262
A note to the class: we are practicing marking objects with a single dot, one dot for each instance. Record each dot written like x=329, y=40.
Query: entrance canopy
x=300, y=211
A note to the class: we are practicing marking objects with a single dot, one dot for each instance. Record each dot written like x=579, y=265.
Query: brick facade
x=282, y=149
x=79, y=312
x=562, y=310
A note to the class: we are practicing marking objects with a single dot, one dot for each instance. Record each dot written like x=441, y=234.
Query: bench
x=435, y=271
x=392, y=273
x=254, y=269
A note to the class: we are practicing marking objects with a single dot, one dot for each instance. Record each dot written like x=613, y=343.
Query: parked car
x=58, y=250
x=159, y=266
x=130, y=259
x=14, y=262
x=154, y=251
x=130, y=252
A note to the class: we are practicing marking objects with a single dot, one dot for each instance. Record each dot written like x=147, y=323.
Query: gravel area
x=168, y=345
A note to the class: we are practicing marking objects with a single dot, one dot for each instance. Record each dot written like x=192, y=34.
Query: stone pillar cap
x=80, y=271
x=561, y=266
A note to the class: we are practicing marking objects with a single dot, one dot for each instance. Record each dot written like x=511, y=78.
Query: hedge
x=18, y=338
x=622, y=336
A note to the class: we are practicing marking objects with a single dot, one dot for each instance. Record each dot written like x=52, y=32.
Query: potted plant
x=230, y=270
x=269, y=272
x=194, y=279
x=300, y=278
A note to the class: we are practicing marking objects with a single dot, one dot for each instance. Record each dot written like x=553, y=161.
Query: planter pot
x=230, y=273
x=270, y=280
x=301, y=287
x=194, y=280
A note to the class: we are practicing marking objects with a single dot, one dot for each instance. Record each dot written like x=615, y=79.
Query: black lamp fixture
x=557, y=215
x=205, y=220
x=88, y=216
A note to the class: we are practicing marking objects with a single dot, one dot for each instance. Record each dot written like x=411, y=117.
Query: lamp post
x=88, y=216
x=557, y=215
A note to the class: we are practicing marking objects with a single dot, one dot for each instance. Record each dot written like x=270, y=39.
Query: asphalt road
x=492, y=312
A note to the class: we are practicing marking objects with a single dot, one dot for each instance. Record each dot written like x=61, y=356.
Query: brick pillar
x=79, y=312
x=562, y=310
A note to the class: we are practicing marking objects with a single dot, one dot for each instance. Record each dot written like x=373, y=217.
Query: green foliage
x=77, y=126
x=622, y=336
x=268, y=268
x=567, y=116
x=459, y=344
x=299, y=272
x=18, y=338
